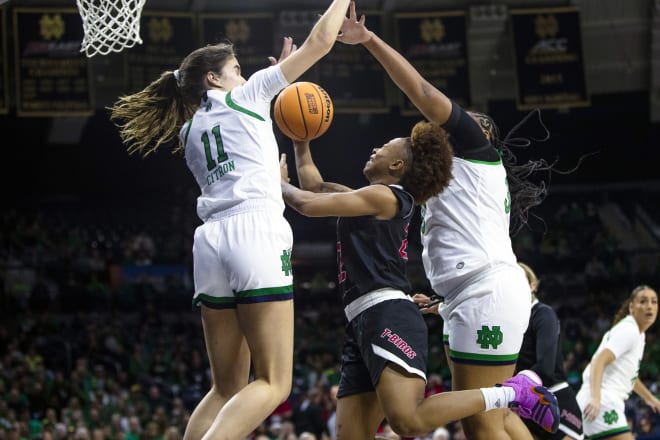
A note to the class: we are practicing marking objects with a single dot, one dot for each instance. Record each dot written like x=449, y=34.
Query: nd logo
x=489, y=336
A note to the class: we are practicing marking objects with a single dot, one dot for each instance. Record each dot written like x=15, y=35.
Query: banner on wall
x=435, y=43
x=53, y=78
x=167, y=38
x=4, y=70
x=354, y=79
x=251, y=35
x=549, y=62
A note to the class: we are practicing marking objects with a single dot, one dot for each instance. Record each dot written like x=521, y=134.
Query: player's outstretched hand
x=287, y=49
x=353, y=31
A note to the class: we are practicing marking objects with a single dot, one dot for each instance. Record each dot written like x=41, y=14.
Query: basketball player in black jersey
x=541, y=352
x=384, y=356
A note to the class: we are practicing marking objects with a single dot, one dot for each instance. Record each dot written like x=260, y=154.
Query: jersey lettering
x=404, y=245
x=507, y=199
x=222, y=156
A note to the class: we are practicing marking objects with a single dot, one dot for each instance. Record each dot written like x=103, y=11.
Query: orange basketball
x=303, y=111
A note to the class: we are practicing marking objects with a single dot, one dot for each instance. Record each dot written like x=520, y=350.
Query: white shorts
x=485, y=322
x=241, y=257
x=611, y=419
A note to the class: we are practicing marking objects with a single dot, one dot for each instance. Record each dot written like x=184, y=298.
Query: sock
x=497, y=397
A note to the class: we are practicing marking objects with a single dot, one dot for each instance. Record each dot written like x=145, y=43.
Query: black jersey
x=371, y=253
x=541, y=351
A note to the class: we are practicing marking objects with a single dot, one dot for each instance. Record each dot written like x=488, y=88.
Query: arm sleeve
x=546, y=328
x=466, y=137
x=261, y=86
x=623, y=336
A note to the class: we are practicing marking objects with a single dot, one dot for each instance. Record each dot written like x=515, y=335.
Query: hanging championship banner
x=549, y=63
x=167, y=38
x=251, y=35
x=53, y=78
x=4, y=70
x=435, y=43
x=353, y=77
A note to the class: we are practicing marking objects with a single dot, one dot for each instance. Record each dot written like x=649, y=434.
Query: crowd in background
x=95, y=343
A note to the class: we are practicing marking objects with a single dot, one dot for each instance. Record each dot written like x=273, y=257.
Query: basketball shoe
x=534, y=401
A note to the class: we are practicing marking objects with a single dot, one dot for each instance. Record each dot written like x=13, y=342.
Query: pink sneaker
x=534, y=401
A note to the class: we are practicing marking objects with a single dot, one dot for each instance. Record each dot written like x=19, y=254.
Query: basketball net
x=110, y=25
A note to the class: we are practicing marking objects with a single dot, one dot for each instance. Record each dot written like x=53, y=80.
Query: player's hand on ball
x=287, y=49
x=353, y=31
x=284, y=169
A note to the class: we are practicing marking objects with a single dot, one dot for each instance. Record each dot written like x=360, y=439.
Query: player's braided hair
x=430, y=169
x=525, y=193
x=153, y=116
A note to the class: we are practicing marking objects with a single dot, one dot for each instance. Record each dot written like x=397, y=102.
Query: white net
x=110, y=25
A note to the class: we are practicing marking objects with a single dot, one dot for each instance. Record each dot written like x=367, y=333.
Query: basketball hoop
x=110, y=25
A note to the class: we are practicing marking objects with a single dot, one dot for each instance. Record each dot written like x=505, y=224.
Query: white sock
x=497, y=397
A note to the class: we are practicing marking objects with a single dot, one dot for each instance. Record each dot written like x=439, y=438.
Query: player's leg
x=392, y=337
x=228, y=354
x=359, y=413
x=358, y=416
x=229, y=360
x=488, y=425
x=485, y=327
x=258, y=251
x=402, y=397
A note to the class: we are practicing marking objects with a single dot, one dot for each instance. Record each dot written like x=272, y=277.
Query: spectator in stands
x=612, y=374
x=241, y=253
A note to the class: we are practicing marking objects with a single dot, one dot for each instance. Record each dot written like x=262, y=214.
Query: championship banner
x=352, y=76
x=549, y=63
x=53, y=78
x=4, y=70
x=251, y=35
x=435, y=43
x=167, y=38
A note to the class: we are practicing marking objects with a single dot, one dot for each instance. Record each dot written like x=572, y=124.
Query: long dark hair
x=153, y=116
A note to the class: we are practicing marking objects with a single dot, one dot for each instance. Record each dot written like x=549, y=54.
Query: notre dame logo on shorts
x=611, y=417
x=285, y=258
x=489, y=336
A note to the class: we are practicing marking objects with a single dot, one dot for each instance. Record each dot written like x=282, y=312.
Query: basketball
x=303, y=111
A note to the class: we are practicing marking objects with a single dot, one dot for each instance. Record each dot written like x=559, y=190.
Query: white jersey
x=627, y=343
x=230, y=146
x=466, y=227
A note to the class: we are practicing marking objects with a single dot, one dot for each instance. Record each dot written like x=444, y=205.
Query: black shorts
x=570, y=420
x=391, y=331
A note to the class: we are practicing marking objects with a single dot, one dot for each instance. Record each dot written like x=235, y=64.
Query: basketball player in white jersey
x=611, y=376
x=467, y=251
x=241, y=253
